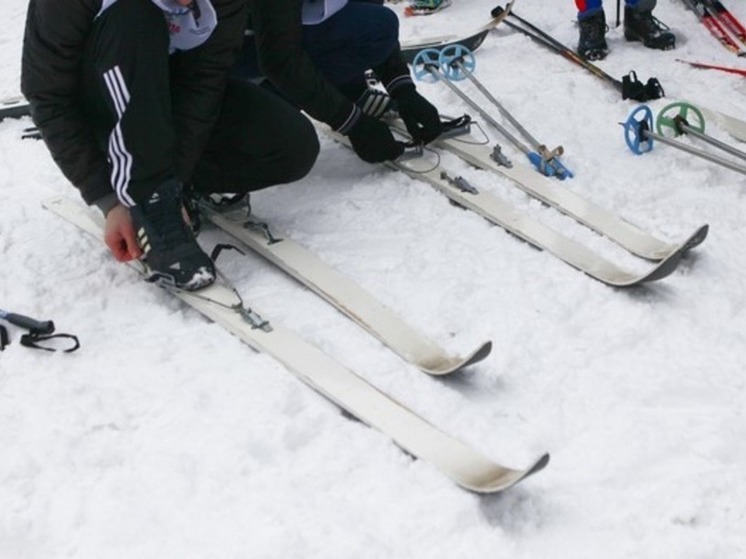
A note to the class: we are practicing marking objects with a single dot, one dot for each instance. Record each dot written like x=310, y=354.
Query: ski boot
x=425, y=7
x=641, y=25
x=592, y=43
x=170, y=249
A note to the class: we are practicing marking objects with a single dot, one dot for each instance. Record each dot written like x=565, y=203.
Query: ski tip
x=480, y=354
x=457, y=364
x=539, y=465
x=667, y=266
x=697, y=239
x=505, y=478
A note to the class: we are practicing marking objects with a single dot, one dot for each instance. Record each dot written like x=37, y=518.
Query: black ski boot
x=425, y=7
x=641, y=25
x=171, y=251
x=592, y=43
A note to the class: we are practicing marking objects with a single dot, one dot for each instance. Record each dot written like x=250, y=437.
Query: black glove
x=372, y=140
x=419, y=115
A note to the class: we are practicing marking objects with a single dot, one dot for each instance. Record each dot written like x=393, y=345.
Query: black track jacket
x=54, y=43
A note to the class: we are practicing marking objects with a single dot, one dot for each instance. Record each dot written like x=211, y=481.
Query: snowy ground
x=166, y=437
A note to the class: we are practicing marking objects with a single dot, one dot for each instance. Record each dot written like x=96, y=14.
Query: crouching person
x=133, y=100
x=316, y=53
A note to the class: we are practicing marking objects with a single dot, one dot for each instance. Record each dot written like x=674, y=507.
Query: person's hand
x=119, y=234
x=419, y=115
x=373, y=141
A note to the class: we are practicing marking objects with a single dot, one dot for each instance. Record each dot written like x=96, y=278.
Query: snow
x=164, y=436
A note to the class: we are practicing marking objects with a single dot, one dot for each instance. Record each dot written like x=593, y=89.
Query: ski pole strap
x=38, y=331
x=32, y=340
x=654, y=89
x=220, y=247
x=632, y=88
x=618, y=12
x=455, y=126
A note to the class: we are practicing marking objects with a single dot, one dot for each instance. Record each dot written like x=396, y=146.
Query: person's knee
x=304, y=150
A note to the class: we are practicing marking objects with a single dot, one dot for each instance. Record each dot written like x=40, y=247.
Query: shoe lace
x=168, y=220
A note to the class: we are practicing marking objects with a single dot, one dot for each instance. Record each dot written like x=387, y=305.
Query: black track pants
x=127, y=96
x=258, y=140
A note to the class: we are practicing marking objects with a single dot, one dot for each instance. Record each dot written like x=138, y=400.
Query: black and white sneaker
x=170, y=249
x=641, y=25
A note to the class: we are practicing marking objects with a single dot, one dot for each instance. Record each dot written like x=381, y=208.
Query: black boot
x=592, y=43
x=641, y=25
x=170, y=249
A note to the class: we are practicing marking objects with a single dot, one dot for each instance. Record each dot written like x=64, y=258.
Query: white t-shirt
x=188, y=27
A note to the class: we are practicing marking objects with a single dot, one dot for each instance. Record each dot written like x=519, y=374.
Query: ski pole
x=38, y=331
x=540, y=36
x=639, y=137
x=427, y=62
x=680, y=124
x=460, y=58
x=618, y=12
x=456, y=61
x=630, y=87
x=31, y=324
x=732, y=125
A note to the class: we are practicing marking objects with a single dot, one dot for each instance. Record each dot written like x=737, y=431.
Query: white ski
x=525, y=227
x=343, y=293
x=732, y=125
x=467, y=467
x=625, y=234
x=471, y=40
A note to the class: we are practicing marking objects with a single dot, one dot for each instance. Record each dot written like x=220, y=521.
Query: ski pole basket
x=675, y=119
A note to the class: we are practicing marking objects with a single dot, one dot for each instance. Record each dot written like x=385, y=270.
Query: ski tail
x=471, y=41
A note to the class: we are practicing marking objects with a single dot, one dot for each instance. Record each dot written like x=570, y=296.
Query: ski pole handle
x=31, y=324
